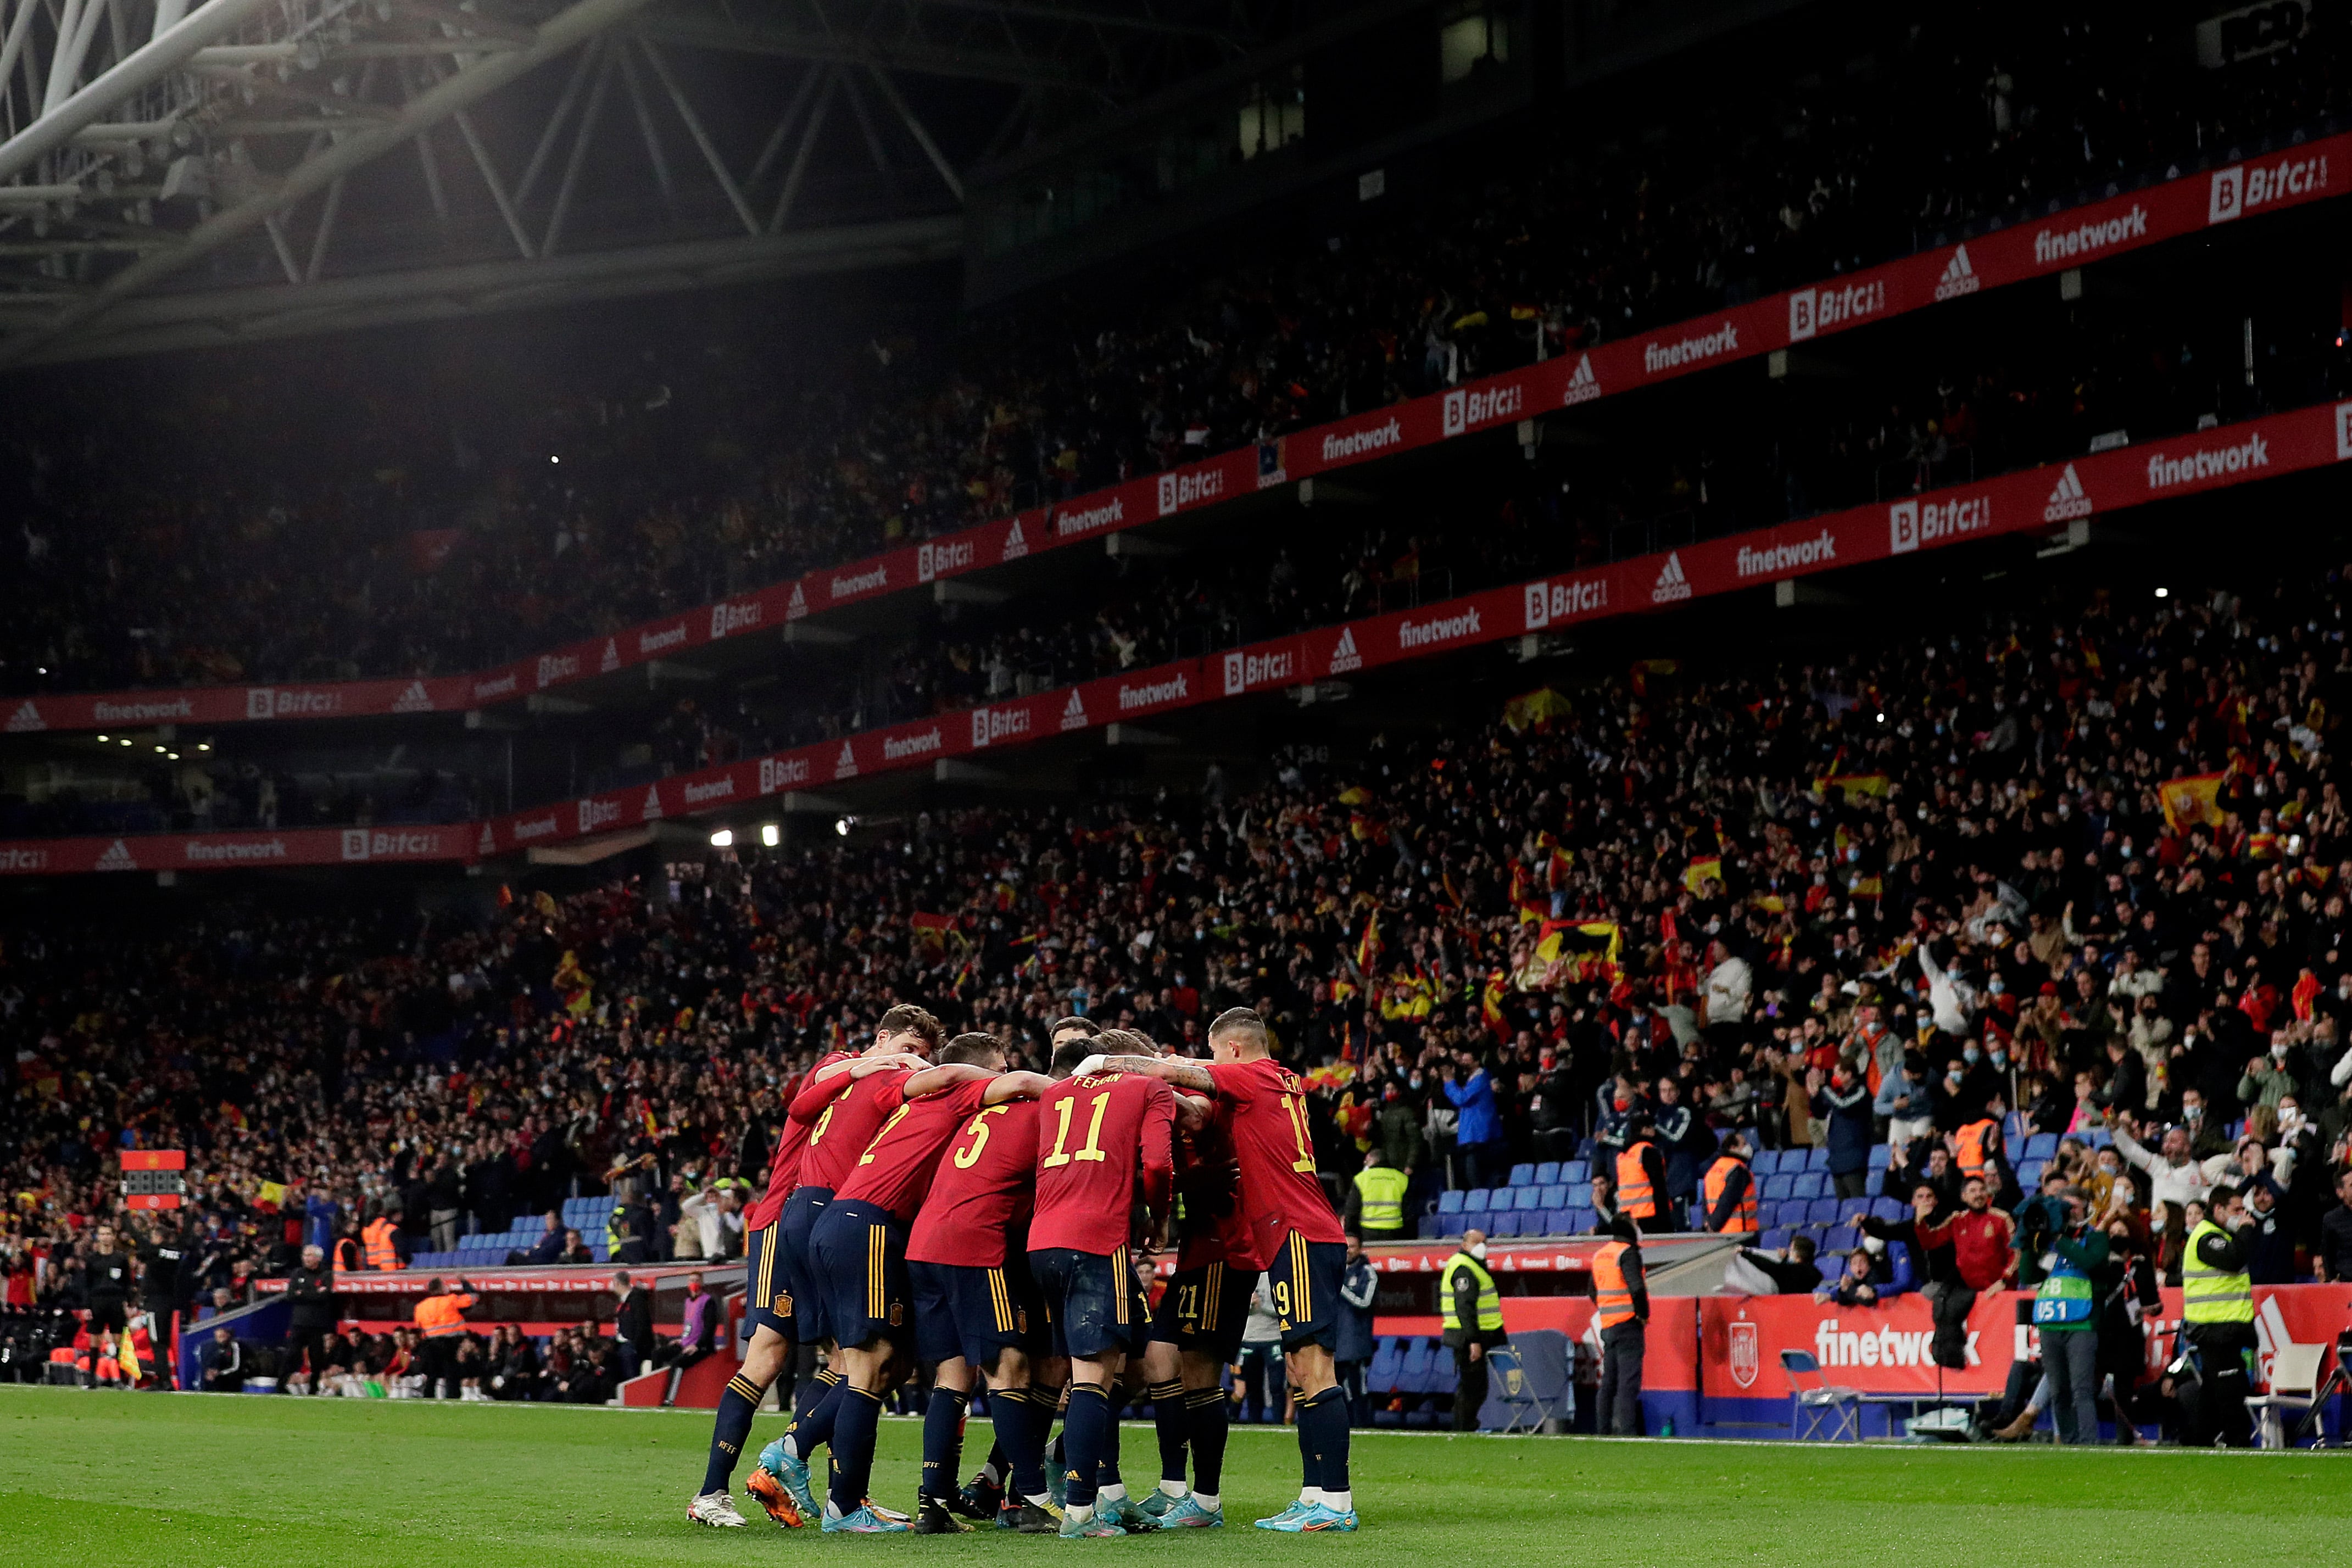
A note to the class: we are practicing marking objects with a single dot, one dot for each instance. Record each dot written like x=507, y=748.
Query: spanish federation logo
x=846, y=765
x=27, y=718
x=2068, y=499
x=1074, y=712
x=1583, y=386
x=1745, y=1355
x=1344, y=656
x=1958, y=277
x=118, y=857
x=1671, y=584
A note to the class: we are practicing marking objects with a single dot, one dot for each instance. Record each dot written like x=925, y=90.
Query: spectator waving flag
x=2191, y=803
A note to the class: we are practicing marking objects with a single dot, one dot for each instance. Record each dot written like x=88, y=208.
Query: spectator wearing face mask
x=1470, y=1309
x=1843, y=1103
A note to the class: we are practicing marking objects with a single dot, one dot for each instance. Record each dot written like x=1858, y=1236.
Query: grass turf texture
x=95, y=1479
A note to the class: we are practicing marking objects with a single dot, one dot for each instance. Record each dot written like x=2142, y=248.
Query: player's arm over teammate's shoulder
x=1002, y=1086
x=1174, y=1069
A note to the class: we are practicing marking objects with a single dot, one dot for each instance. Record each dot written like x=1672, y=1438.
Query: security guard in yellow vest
x=1471, y=1310
x=1621, y=1300
x=381, y=1239
x=2217, y=1305
x=1375, y=1209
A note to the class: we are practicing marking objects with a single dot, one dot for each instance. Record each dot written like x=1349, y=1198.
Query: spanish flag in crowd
x=2189, y=802
x=1697, y=875
x=1490, y=1005
x=1368, y=945
x=571, y=982
x=1572, y=951
x=544, y=902
x=1853, y=784
x=1535, y=710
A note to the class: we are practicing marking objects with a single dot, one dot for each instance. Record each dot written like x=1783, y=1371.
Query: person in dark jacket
x=1844, y=1103
x=514, y=1365
x=311, y=1317
x=548, y=1249
x=224, y=1363
x=2269, y=1258
x=2214, y=1406
x=1353, y=1351
x=633, y=1323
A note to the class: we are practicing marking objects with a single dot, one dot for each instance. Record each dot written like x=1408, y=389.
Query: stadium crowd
x=388, y=532
x=2086, y=865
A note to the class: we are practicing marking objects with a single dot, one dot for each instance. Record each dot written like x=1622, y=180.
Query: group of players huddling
x=927, y=1206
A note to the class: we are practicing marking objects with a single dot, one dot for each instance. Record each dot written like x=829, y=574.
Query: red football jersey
x=895, y=1169
x=1099, y=1139
x=785, y=1170
x=981, y=1190
x=1207, y=1156
x=1268, y=1122
x=846, y=1122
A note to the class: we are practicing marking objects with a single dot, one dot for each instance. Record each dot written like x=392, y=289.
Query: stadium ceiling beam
x=1109, y=21
x=697, y=32
x=227, y=317
x=477, y=75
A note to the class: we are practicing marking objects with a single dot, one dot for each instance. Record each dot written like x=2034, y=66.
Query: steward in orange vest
x=1730, y=1189
x=1621, y=1298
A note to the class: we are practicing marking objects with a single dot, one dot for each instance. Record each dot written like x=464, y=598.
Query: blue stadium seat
x=2100, y=1137
x=1476, y=1198
x=1523, y=1175
x=1893, y=1210
x=1808, y=1184
x=1579, y=1195
x=1776, y=1238
x=1526, y=1198
x=1574, y=1171
x=1881, y=1156
x=1429, y=1223
x=1580, y=1221
x=1766, y=1161
x=2042, y=1147
x=1380, y=1377
x=2029, y=1174
x=1841, y=1238
x=1479, y=1219
x=1555, y=1195
x=2012, y=1126
x=1412, y=1367
x=1450, y=1201
x=1817, y=1159
x=1547, y=1173
x=1821, y=1211
x=1777, y=1186
x=1555, y=1222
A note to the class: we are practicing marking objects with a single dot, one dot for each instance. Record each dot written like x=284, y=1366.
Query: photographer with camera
x=2065, y=1312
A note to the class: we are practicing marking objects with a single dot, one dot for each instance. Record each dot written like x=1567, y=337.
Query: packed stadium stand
x=473, y=796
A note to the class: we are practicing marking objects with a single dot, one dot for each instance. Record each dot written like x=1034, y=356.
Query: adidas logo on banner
x=612, y=658
x=2068, y=499
x=846, y=765
x=487, y=843
x=415, y=699
x=1074, y=712
x=1671, y=584
x=797, y=606
x=25, y=719
x=1958, y=277
x=118, y=857
x=1016, y=543
x=653, y=802
x=1583, y=386
x=1344, y=656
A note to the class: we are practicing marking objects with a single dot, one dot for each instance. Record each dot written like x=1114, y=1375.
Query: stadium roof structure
x=183, y=175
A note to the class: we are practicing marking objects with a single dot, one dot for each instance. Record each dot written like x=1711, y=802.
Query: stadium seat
x=1894, y=1210
x=1450, y=1201
x=1478, y=1197
x=1580, y=1221
x=1380, y=1376
x=1579, y=1195
x=1881, y=1156
x=2042, y=1147
x=1429, y=1223
x=1555, y=1222
x=1809, y=1184
x=1527, y=1199
x=1548, y=1173
x=2029, y=1174
x=1817, y=1159
x=1574, y=1171
x=1555, y=1195
x=1776, y=1187
x=1822, y=1211
x=1479, y=1219
x=1773, y=1239
x=1841, y=1238
x=1766, y=1161
x=1412, y=1367
x=1523, y=1175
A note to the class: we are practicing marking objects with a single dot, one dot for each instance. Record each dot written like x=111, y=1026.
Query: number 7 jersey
x=1263, y=1107
x=1102, y=1143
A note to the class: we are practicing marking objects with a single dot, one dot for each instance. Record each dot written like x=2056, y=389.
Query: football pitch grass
x=92, y=1479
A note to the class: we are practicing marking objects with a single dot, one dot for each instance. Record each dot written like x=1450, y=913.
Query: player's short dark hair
x=1067, y=1058
x=1086, y=1027
x=1240, y=1020
x=908, y=1015
x=974, y=1049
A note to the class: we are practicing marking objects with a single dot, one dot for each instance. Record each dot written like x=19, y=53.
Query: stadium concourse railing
x=2058, y=494
x=2016, y=253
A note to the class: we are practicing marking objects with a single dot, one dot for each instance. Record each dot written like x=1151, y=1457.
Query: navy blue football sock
x=1086, y=1433
x=813, y=1389
x=1168, y=1419
x=942, y=1442
x=1021, y=1434
x=730, y=1432
x=1207, y=1416
x=858, y=1419
x=1107, y=1467
x=813, y=1431
x=1323, y=1439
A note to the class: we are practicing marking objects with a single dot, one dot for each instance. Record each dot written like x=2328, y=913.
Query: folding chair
x=1820, y=1403
x=2295, y=1380
x=1507, y=1377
